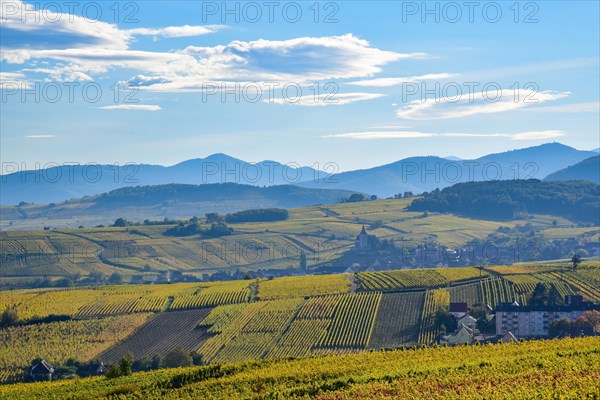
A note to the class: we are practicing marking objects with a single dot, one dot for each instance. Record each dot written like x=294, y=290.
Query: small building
x=463, y=335
x=508, y=338
x=468, y=321
x=364, y=242
x=459, y=310
x=534, y=321
x=42, y=371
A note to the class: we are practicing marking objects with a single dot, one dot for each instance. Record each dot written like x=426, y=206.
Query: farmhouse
x=42, y=371
x=534, y=321
x=468, y=321
x=463, y=335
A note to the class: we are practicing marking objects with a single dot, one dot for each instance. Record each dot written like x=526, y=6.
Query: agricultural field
x=234, y=321
x=58, y=341
x=123, y=299
x=322, y=233
x=565, y=368
x=416, y=278
x=397, y=321
x=161, y=334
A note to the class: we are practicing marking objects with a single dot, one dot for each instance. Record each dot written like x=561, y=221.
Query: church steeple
x=363, y=232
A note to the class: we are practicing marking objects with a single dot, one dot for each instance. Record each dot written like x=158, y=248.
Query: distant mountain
x=586, y=170
x=67, y=182
x=165, y=201
x=453, y=158
x=415, y=174
x=419, y=174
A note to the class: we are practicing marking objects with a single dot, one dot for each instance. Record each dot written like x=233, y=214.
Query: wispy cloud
x=138, y=107
x=40, y=136
x=177, y=31
x=384, y=82
x=368, y=135
x=325, y=100
x=478, y=103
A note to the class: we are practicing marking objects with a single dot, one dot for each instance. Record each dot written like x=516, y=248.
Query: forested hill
x=577, y=200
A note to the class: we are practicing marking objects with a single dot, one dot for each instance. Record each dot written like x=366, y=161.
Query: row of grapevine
x=435, y=300
x=397, y=320
x=303, y=286
x=390, y=280
x=163, y=333
x=497, y=290
x=353, y=321
x=210, y=299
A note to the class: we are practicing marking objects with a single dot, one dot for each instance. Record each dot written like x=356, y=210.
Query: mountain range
x=414, y=174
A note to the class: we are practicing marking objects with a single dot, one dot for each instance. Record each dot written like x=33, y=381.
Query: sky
x=355, y=83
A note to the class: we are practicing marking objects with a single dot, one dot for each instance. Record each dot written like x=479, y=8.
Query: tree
x=538, y=296
x=554, y=297
x=177, y=358
x=593, y=318
x=121, y=222
x=115, y=279
x=303, y=261
x=213, y=217
x=356, y=197
x=10, y=317
x=97, y=277
x=125, y=365
x=576, y=260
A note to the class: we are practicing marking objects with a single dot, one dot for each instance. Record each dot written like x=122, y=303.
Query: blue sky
x=387, y=74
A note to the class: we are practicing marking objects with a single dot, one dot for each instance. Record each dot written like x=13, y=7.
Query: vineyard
x=565, y=368
x=397, y=322
x=435, y=300
x=234, y=321
x=161, y=334
x=303, y=286
x=352, y=322
x=416, y=278
x=59, y=341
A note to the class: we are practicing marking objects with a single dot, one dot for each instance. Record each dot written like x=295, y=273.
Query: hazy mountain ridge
x=414, y=174
x=169, y=201
x=586, y=170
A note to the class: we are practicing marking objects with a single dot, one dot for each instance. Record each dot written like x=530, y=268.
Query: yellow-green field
x=565, y=369
x=323, y=233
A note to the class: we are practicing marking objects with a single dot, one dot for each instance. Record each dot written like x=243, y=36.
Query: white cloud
x=326, y=100
x=40, y=136
x=384, y=82
x=478, y=103
x=138, y=107
x=530, y=135
x=14, y=81
x=177, y=31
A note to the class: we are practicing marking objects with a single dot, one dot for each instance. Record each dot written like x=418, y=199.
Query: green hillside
x=323, y=233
